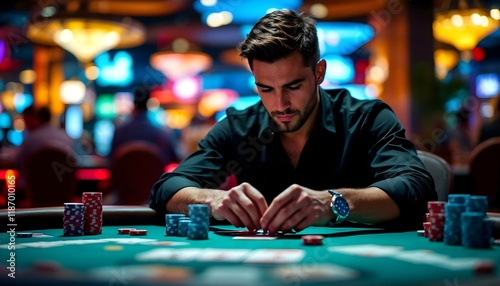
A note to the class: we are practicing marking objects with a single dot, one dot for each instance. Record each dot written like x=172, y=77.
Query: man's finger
x=229, y=215
x=256, y=205
x=270, y=215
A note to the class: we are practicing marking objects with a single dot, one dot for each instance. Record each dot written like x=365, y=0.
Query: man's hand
x=242, y=205
x=296, y=208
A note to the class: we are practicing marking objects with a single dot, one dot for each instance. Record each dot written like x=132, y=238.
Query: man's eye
x=295, y=87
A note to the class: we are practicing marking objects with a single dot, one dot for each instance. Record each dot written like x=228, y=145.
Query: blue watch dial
x=341, y=206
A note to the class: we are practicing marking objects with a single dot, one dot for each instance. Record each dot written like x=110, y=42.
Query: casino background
x=376, y=49
x=362, y=39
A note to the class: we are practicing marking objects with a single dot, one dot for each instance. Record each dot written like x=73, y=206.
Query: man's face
x=288, y=90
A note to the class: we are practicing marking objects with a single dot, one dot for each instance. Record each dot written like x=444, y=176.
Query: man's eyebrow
x=293, y=82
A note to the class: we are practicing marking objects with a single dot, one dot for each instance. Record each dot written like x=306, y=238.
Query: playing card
x=275, y=256
x=367, y=250
x=314, y=272
x=170, y=254
x=226, y=255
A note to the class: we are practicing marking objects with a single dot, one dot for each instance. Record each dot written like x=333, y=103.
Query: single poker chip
x=484, y=267
x=125, y=230
x=420, y=232
x=497, y=241
x=24, y=234
x=312, y=239
x=138, y=232
x=46, y=266
x=113, y=248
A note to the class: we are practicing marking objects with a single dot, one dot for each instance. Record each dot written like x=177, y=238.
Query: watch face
x=341, y=206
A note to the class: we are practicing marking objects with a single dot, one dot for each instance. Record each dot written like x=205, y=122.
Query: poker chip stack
x=199, y=215
x=462, y=220
x=172, y=224
x=477, y=204
x=93, y=212
x=183, y=226
x=437, y=219
x=73, y=219
x=458, y=198
x=453, y=223
x=477, y=228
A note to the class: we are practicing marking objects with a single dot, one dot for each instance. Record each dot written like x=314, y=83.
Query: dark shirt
x=489, y=130
x=354, y=144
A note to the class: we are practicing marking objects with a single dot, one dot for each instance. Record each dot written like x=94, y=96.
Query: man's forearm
x=179, y=202
x=370, y=205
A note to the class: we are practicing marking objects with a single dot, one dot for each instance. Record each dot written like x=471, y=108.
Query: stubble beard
x=288, y=127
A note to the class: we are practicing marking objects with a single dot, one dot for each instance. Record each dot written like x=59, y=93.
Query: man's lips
x=285, y=117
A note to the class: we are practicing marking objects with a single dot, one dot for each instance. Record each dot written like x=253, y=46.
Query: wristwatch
x=339, y=206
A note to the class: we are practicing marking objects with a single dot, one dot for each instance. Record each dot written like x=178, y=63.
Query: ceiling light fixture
x=85, y=34
x=183, y=60
x=463, y=27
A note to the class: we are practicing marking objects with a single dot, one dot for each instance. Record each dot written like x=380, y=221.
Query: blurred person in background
x=39, y=133
x=491, y=128
x=460, y=137
x=140, y=128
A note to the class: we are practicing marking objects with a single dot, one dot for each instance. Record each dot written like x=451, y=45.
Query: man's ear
x=320, y=71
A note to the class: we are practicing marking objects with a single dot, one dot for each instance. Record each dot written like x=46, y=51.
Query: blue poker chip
x=197, y=231
x=24, y=234
x=477, y=204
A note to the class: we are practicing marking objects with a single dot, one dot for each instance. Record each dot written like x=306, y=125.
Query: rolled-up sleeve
x=396, y=166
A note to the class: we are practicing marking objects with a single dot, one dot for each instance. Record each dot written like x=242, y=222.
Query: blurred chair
x=51, y=176
x=135, y=167
x=484, y=169
x=440, y=171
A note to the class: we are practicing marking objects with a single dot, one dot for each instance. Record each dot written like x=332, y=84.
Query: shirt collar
x=266, y=130
x=326, y=109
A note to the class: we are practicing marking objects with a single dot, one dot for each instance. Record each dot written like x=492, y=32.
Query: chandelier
x=463, y=28
x=181, y=61
x=178, y=65
x=85, y=34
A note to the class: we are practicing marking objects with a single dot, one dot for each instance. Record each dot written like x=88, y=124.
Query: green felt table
x=90, y=260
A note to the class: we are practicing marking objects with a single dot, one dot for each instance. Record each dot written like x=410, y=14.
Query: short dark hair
x=44, y=114
x=279, y=34
x=141, y=97
x=30, y=111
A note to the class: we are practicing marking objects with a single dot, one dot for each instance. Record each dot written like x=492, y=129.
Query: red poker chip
x=125, y=230
x=312, y=239
x=46, y=266
x=138, y=232
x=484, y=267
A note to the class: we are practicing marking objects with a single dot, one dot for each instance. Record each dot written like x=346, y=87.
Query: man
x=140, y=128
x=40, y=133
x=491, y=128
x=298, y=142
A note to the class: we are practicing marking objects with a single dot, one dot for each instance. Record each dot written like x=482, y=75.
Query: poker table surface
x=353, y=255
